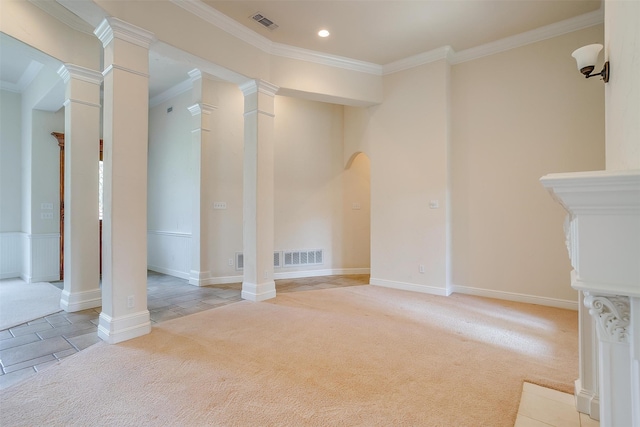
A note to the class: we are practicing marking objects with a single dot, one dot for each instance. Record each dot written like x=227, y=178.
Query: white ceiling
x=375, y=31
x=382, y=32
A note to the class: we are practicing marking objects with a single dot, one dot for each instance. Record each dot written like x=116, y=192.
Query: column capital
x=201, y=108
x=612, y=314
x=256, y=85
x=69, y=71
x=111, y=28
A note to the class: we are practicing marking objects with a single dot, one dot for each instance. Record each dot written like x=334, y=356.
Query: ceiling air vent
x=260, y=18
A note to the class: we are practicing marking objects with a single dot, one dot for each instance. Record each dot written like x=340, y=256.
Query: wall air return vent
x=308, y=257
x=263, y=20
x=277, y=260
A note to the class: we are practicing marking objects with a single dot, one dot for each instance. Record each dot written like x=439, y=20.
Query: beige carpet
x=358, y=356
x=21, y=302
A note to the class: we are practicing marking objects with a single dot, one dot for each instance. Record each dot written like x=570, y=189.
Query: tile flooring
x=31, y=347
x=544, y=407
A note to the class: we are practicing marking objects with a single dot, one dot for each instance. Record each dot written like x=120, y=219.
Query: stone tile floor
x=28, y=348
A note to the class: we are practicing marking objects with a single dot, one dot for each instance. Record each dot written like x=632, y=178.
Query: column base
x=123, y=328
x=586, y=402
x=258, y=292
x=78, y=301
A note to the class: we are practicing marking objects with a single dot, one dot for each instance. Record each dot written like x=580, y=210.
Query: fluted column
x=203, y=116
x=126, y=114
x=258, y=183
x=82, y=154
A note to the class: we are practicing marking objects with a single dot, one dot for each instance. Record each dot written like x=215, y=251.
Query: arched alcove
x=357, y=212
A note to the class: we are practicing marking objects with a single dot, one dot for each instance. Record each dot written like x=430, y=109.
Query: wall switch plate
x=355, y=206
x=46, y=215
x=219, y=205
x=46, y=206
x=421, y=268
x=434, y=204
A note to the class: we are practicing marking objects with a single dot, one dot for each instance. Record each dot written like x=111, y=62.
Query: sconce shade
x=586, y=57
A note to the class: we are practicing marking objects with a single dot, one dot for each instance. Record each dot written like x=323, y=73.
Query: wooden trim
x=60, y=137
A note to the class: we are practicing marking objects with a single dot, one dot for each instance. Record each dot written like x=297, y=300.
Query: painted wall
x=10, y=153
x=26, y=22
x=517, y=116
x=622, y=92
x=407, y=139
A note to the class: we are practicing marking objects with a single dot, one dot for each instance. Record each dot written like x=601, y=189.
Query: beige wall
x=312, y=188
x=23, y=21
x=622, y=93
x=517, y=116
x=407, y=140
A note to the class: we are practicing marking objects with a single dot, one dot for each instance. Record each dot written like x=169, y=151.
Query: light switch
x=355, y=206
x=434, y=204
x=219, y=205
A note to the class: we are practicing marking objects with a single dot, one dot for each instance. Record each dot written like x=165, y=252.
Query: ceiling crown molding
x=543, y=33
x=174, y=91
x=292, y=52
x=63, y=15
x=225, y=23
x=445, y=52
x=67, y=71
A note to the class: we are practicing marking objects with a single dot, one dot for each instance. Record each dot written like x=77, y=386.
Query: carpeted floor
x=21, y=302
x=358, y=356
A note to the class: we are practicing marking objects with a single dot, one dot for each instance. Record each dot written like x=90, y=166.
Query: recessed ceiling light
x=323, y=33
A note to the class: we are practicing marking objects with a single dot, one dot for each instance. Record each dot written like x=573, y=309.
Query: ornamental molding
x=69, y=71
x=252, y=86
x=111, y=28
x=596, y=193
x=612, y=314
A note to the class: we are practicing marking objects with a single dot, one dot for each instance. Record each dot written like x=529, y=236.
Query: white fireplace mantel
x=603, y=240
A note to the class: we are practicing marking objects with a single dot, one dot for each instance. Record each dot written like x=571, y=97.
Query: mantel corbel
x=612, y=314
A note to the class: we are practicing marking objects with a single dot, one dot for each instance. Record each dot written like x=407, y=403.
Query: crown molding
x=543, y=33
x=63, y=15
x=172, y=92
x=292, y=52
x=225, y=23
x=256, y=85
x=445, y=52
x=111, y=28
x=67, y=71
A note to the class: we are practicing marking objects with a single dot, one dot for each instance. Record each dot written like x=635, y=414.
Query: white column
x=81, y=222
x=203, y=114
x=258, y=217
x=126, y=113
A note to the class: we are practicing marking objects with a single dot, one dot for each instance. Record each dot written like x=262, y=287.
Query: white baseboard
x=224, y=280
x=168, y=271
x=123, y=328
x=78, y=301
x=259, y=291
x=512, y=296
x=433, y=290
x=318, y=273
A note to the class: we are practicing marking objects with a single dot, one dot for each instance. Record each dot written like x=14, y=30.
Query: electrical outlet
x=130, y=301
x=421, y=268
x=230, y=262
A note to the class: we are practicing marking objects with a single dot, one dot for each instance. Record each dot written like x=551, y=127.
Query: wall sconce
x=586, y=57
